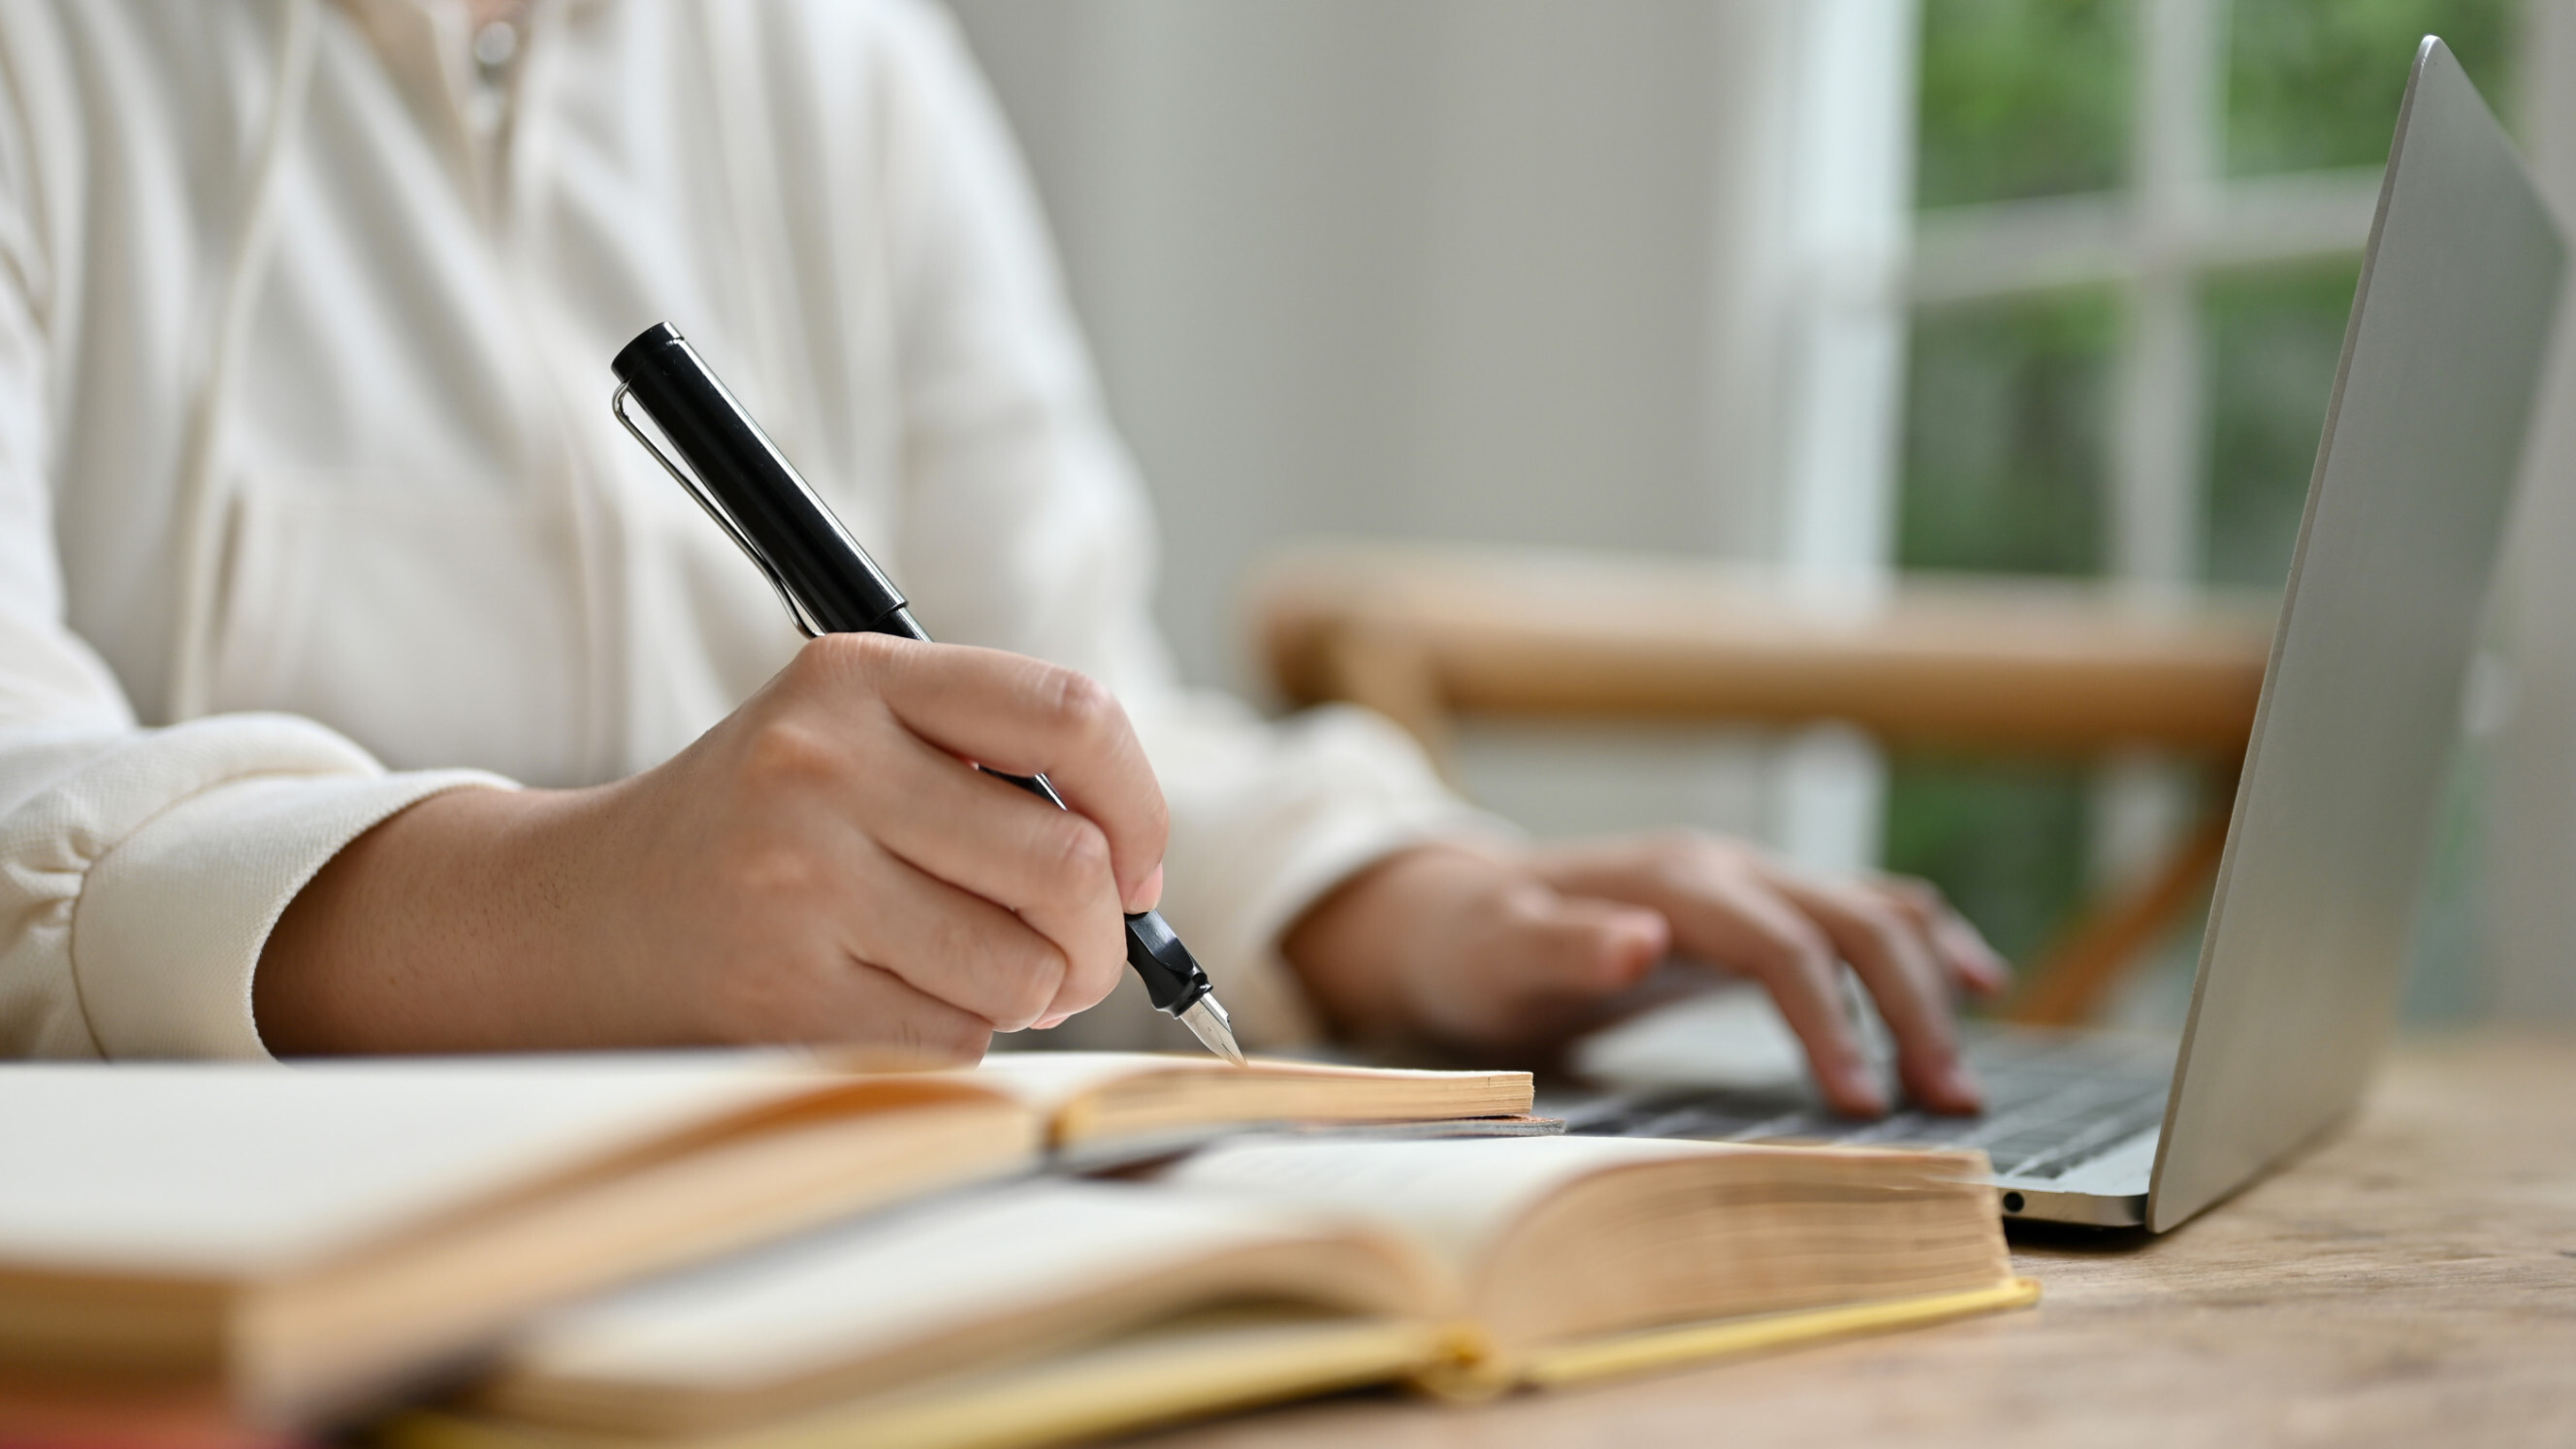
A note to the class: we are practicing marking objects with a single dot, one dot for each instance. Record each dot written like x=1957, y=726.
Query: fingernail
x=1044, y=1022
x=1641, y=940
x=1962, y=1087
x=1147, y=894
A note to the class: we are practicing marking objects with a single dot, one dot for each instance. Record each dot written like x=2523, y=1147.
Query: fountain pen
x=831, y=586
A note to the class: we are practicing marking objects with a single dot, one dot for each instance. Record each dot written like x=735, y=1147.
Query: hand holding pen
x=823, y=865
x=820, y=866
x=831, y=587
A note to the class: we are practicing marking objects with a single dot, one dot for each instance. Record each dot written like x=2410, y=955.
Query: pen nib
x=1207, y=1021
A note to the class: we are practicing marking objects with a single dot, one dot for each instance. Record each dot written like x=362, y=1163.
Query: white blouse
x=306, y=462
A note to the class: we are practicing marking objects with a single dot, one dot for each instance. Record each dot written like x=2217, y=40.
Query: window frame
x=2179, y=219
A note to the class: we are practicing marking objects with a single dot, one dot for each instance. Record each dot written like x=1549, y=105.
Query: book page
x=238, y=1169
x=874, y=1285
x=1046, y=1080
x=1454, y=1195
x=1049, y=1079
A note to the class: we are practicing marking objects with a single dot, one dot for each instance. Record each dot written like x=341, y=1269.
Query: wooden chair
x=1991, y=664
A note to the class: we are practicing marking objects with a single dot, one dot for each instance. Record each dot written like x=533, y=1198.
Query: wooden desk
x=2412, y=1282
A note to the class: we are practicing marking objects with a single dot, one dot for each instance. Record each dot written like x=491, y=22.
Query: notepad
x=1046, y=1310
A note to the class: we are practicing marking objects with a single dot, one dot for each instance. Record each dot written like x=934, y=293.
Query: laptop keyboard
x=2054, y=1100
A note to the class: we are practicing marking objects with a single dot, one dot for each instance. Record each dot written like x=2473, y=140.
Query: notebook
x=313, y=1237
x=1050, y=1310
x=1108, y=1105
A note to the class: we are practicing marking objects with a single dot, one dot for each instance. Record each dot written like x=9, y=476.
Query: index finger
x=1023, y=716
x=1898, y=968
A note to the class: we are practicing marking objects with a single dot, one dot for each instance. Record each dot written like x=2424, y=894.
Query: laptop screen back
x=2313, y=919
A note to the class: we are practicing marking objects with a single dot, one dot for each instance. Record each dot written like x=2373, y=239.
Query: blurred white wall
x=1402, y=266
x=1507, y=270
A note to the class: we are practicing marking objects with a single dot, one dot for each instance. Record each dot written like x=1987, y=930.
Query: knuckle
x=1688, y=861
x=1675, y=872
x=1675, y=847
x=1914, y=891
x=992, y=968
x=773, y=871
x=790, y=754
x=1079, y=706
x=1075, y=856
x=835, y=659
x=1885, y=927
x=1901, y=943
x=1029, y=983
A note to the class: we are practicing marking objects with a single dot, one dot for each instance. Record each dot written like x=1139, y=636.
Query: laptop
x=2310, y=926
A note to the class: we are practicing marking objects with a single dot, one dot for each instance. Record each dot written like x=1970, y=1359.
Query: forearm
x=446, y=928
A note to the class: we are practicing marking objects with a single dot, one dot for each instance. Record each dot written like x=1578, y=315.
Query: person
x=467, y=732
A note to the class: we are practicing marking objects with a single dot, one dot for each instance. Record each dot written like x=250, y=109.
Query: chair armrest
x=1982, y=663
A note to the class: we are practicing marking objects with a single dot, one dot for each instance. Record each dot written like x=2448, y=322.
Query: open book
x=1053, y=1310
x=308, y=1238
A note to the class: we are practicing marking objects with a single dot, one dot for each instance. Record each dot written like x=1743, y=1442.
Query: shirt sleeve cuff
x=1268, y=821
x=170, y=923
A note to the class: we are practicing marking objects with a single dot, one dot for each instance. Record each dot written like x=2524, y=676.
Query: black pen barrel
x=839, y=586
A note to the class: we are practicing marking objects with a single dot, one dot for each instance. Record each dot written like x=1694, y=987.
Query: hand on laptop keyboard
x=1505, y=948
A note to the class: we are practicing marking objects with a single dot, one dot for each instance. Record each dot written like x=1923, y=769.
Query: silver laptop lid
x=2313, y=918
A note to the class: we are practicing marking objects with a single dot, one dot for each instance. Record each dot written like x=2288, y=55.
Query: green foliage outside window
x=2007, y=435
x=2314, y=84
x=2006, y=468
x=2022, y=98
x=2002, y=838
x=2007, y=427
x=2274, y=336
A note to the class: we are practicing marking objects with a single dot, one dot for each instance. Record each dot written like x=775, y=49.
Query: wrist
x=1352, y=947
x=445, y=927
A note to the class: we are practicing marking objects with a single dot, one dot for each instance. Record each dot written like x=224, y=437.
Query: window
x=2138, y=227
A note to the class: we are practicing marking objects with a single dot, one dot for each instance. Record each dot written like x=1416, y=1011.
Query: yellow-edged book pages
x=1552, y=1244
x=959, y=1317
x=307, y=1238
x=1659, y=1348
x=1467, y=1266
x=1194, y=1366
x=1128, y=1097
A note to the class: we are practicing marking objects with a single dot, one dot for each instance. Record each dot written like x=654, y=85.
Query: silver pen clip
x=715, y=510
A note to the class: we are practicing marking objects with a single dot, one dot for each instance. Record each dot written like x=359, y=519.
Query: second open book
x=1048, y=1310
